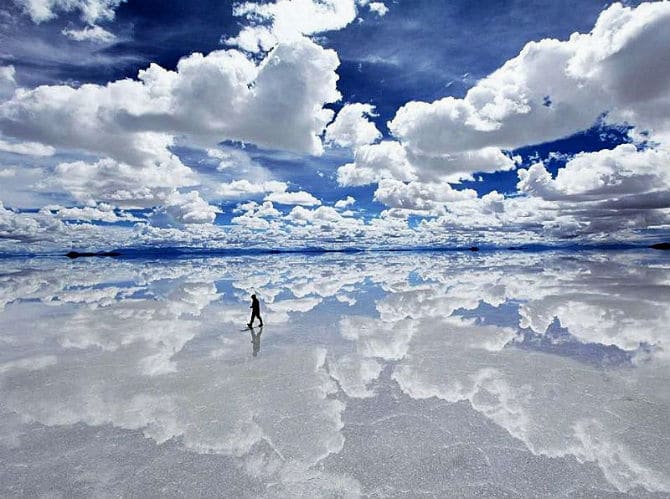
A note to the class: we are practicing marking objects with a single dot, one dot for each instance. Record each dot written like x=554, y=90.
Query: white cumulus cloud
x=555, y=88
x=301, y=198
x=352, y=126
x=90, y=11
x=102, y=212
x=209, y=98
x=288, y=20
x=609, y=176
x=187, y=208
x=343, y=203
x=131, y=125
x=239, y=189
x=418, y=195
x=378, y=8
x=123, y=184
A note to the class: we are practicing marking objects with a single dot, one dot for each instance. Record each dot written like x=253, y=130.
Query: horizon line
x=189, y=251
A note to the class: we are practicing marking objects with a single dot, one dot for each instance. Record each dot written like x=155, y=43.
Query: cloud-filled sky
x=128, y=123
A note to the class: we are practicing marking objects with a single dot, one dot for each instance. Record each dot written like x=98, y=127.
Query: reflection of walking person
x=256, y=340
x=255, y=311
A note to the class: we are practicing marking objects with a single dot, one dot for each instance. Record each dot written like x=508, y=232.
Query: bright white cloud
x=90, y=34
x=122, y=184
x=301, y=198
x=264, y=210
x=251, y=222
x=352, y=126
x=209, y=98
x=90, y=11
x=287, y=20
x=103, y=212
x=378, y=8
x=459, y=166
x=374, y=162
x=554, y=88
x=390, y=160
x=321, y=214
x=418, y=195
x=254, y=215
x=130, y=125
x=241, y=189
x=187, y=208
x=343, y=203
x=620, y=175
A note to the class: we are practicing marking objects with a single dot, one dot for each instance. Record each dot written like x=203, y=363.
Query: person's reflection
x=256, y=340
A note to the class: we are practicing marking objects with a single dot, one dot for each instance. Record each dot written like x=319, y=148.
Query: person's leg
x=260, y=319
x=251, y=321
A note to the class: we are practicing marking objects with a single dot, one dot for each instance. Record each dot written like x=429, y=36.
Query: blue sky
x=332, y=123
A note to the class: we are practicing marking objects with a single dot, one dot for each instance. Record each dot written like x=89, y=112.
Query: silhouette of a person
x=256, y=340
x=255, y=311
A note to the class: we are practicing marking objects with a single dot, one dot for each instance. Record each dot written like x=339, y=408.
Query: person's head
x=253, y=297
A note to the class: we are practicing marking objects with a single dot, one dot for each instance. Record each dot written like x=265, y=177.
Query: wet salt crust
x=376, y=375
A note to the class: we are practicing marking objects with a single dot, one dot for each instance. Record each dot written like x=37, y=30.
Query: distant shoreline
x=185, y=252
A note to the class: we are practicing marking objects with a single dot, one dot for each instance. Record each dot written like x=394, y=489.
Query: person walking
x=255, y=311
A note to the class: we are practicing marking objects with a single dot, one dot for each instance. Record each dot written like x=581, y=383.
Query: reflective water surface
x=376, y=375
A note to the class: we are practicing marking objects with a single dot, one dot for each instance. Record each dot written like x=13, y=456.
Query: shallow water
x=382, y=375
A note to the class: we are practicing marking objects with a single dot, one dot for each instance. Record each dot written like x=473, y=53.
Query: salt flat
x=409, y=374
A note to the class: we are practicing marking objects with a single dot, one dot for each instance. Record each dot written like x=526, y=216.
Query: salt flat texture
x=501, y=374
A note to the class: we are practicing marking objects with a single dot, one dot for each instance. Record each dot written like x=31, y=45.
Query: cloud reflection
x=155, y=347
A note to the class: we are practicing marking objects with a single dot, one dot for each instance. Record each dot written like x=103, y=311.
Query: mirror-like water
x=380, y=375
